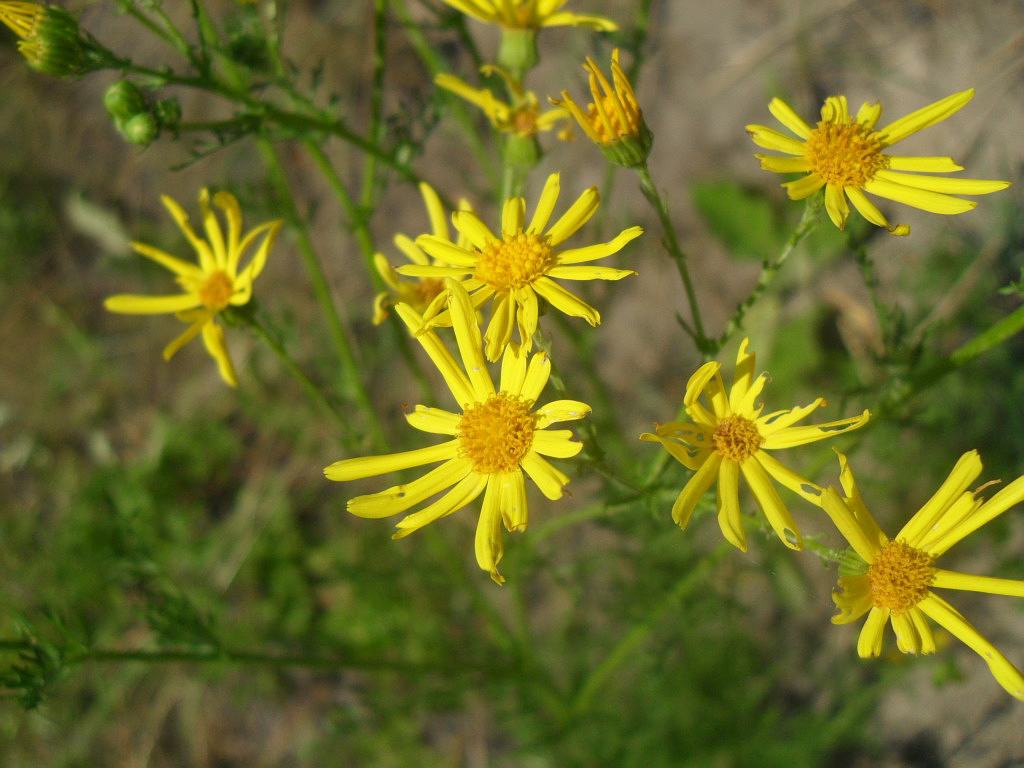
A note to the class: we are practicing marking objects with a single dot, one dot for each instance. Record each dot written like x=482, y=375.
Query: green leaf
x=743, y=220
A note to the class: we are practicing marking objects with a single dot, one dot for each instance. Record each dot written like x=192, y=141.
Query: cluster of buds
x=50, y=39
x=135, y=118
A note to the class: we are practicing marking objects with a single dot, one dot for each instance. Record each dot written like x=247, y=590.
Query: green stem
x=600, y=674
x=307, y=383
x=770, y=268
x=671, y=244
x=322, y=292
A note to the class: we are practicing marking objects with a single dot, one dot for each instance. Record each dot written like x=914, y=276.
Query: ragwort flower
x=518, y=266
x=211, y=286
x=846, y=155
x=729, y=436
x=425, y=294
x=613, y=119
x=897, y=578
x=529, y=14
x=499, y=435
x=522, y=117
x=50, y=39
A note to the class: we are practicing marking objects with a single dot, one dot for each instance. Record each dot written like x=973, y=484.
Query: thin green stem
x=622, y=651
x=322, y=292
x=770, y=268
x=671, y=244
x=314, y=392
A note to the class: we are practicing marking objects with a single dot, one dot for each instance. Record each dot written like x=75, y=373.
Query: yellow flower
x=50, y=39
x=529, y=14
x=523, y=117
x=729, y=436
x=423, y=295
x=846, y=155
x=211, y=286
x=897, y=577
x=613, y=119
x=518, y=266
x=499, y=435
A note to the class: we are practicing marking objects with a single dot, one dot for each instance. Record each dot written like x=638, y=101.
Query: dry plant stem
x=671, y=244
x=600, y=675
x=770, y=268
x=322, y=292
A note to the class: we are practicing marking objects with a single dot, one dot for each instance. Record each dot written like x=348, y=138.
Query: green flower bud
x=51, y=44
x=517, y=53
x=141, y=129
x=124, y=100
x=168, y=112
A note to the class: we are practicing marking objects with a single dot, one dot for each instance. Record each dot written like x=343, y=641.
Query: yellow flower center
x=619, y=129
x=736, y=438
x=496, y=434
x=846, y=155
x=514, y=261
x=216, y=290
x=900, y=576
x=523, y=121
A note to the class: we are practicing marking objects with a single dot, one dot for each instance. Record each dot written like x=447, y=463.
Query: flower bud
x=141, y=129
x=124, y=100
x=50, y=38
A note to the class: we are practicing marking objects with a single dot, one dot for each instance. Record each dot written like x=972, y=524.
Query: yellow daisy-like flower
x=729, y=436
x=897, y=581
x=499, y=435
x=846, y=155
x=423, y=295
x=529, y=14
x=613, y=119
x=211, y=286
x=523, y=117
x=519, y=265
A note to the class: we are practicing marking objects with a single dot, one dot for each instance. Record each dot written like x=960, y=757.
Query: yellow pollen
x=847, y=155
x=216, y=290
x=900, y=577
x=736, y=438
x=514, y=261
x=496, y=434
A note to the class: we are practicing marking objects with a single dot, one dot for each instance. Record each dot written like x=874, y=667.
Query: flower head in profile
x=613, y=119
x=529, y=14
x=50, y=39
x=847, y=156
x=500, y=434
x=894, y=580
x=729, y=436
x=425, y=294
x=215, y=283
x=522, y=117
x=518, y=265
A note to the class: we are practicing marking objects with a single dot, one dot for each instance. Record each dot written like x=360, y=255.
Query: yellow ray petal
x=579, y=213
x=131, y=304
x=949, y=185
x=512, y=500
x=805, y=187
x=487, y=542
x=463, y=493
x=213, y=339
x=369, y=466
x=963, y=474
x=556, y=443
x=565, y=301
x=536, y=376
x=968, y=582
x=546, y=205
x=933, y=202
x=788, y=478
x=771, y=503
x=863, y=538
x=785, y=114
x=922, y=118
x=560, y=410
x=433, y=420
x=869, y=642
x=769, y=138
x=730, y=519
x=923, y=164
x=402, y=497
x=942, y=613
x=600, y=250
x=550, y=480
x=694, y=489
x=589, y=273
